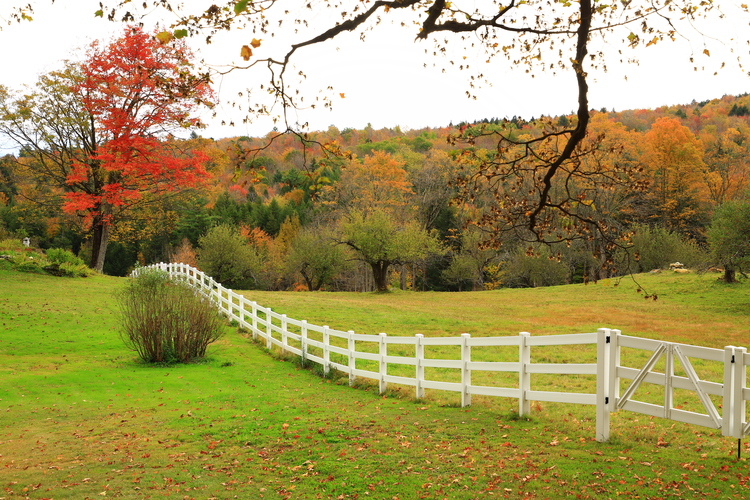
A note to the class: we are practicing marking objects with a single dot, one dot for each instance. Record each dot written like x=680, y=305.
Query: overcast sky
x=383, y=80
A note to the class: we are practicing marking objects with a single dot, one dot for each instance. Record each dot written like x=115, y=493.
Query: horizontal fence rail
x=670, y=366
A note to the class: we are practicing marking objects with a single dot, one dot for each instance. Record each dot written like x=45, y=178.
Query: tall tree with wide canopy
x=729, y=237
x=102, y=130
x=380, y=241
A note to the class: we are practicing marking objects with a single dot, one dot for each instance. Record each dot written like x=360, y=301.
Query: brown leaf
x=246, y=52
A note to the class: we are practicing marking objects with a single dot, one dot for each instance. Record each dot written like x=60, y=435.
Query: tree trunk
x=99, y=245
x=308, y=281
x=380, y=275
x=729, y=274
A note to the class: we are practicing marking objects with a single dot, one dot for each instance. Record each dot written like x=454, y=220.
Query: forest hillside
x=370, y=209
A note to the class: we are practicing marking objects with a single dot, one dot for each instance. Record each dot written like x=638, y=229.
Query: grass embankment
x=80, y=418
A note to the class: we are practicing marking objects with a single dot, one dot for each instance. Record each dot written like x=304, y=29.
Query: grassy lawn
x=81, y=418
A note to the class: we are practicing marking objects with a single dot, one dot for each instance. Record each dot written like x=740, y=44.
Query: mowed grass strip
x=81, y=418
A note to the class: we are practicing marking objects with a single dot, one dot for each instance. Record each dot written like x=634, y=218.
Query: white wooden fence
x=334, y=349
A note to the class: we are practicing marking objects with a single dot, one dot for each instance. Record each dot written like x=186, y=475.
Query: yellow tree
x=673, y=158
x=727, y=169
x=378, y=181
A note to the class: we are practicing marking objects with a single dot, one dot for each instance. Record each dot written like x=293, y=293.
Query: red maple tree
x=137, y=91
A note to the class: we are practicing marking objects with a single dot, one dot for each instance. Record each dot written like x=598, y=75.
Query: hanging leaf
x=246, y=52
x=180, y=33
x=240, y=6
x=164, y=37
x=255, y=43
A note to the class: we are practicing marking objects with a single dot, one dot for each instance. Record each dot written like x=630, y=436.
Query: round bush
x=165, y=320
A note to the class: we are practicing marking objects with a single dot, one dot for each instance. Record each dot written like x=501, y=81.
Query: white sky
x=383, y=79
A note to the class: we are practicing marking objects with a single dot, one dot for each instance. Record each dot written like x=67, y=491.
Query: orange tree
x=101, y=130
x=673, y=157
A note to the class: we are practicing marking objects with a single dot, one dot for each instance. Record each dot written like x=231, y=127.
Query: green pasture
x=81, y=418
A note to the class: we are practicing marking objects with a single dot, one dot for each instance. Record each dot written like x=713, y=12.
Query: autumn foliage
x=651, y=179
x=137, y=92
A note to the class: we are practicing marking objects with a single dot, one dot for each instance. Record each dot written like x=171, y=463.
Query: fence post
x=352, y=359
x=326, y=352
x=383, y=368
x=668, y=381
x=230, y=303
x=215, y=293
x=738, y=386
x=603, y=375
x=734, y=381
x=223, y=299
x=303, y=342
x=465, y=371
x=254, y=318
x=269, y=330
x=419, y=354
x=727, y=427
x=284, y=339
x=614, y=363
x=524, y=381
x=241, y=312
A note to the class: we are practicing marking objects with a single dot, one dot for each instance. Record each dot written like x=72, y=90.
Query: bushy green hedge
x=656, y=248
x=55, y=261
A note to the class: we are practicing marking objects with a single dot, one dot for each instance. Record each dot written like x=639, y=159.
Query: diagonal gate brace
x=641, y=375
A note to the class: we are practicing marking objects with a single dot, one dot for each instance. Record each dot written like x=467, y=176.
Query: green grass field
x=81, y=418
